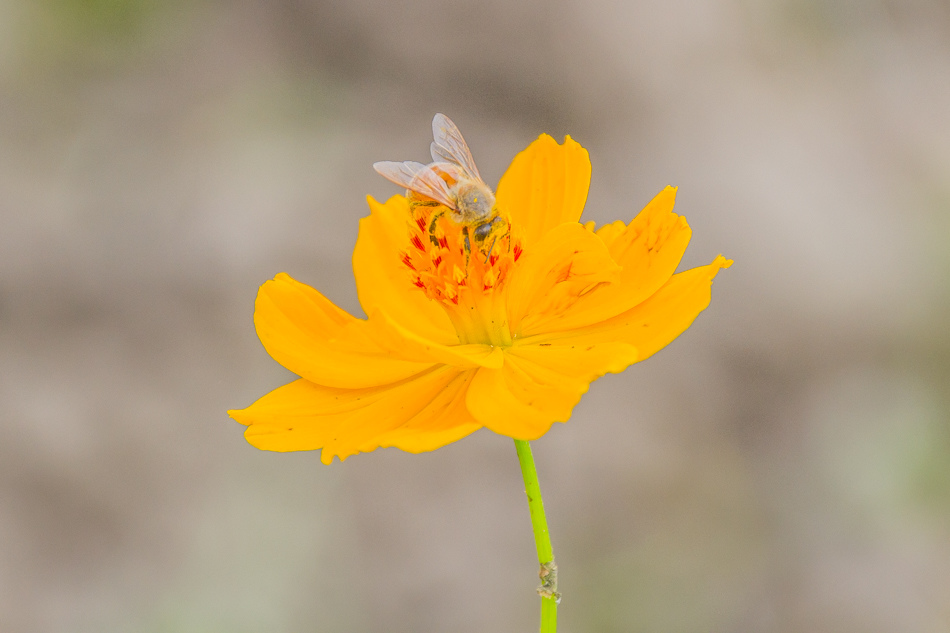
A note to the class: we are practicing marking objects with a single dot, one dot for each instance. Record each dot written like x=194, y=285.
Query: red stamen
x=518, y=251
x=417, y=243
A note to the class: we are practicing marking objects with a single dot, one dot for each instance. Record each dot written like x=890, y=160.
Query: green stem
x=548, y=574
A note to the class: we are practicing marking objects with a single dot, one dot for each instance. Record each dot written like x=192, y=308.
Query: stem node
x=548, y=576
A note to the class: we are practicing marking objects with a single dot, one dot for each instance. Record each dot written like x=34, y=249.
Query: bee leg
x=435, y=218
x=490, y=249
x=468, y=245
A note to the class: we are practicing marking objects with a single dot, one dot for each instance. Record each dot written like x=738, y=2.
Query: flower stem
x=548, y=574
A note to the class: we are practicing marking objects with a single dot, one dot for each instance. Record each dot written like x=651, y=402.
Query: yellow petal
x=492, y=402
x=382, y=280
x=540, y=384
x=444, y=421
x=653, y=324
x=579, y=362
x=649, y=250
x=407, y=344
x=554, y=273
x=315, y=339
x=303, y=416
x=546, y=185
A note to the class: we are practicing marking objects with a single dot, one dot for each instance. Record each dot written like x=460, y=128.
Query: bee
x=452, y=180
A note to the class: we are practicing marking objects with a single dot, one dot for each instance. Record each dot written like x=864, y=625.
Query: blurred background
x=784, y=466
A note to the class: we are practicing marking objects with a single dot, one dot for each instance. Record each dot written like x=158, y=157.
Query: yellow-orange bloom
x=454, y=341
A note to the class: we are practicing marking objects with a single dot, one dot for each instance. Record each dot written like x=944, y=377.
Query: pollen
x=448, y=263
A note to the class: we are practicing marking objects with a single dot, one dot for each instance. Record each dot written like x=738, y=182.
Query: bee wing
x=449, y=146
x=416, y=177
x=451, y=170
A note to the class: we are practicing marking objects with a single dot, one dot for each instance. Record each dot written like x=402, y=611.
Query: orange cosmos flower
x=499, y=320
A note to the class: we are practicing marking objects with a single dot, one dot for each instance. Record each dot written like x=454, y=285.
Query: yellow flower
x=506, y=336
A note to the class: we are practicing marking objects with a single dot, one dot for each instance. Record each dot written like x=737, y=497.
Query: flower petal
x=555, y=273
x=540, y=384
x=383, y=282
x=407, y=344
x=546, y=185
x=303, y=416
x=653, y=324
x=444, y=421
x=649, y=249
x=315, y=339
x=492, y=401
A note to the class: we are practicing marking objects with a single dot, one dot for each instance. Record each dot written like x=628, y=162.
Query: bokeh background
x=783, y=466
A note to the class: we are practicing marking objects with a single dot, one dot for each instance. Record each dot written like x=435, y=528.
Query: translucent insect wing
x=451, y=170
x=416, y=177
x=449, y=146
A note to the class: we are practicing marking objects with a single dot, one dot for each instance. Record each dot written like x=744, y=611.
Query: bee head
x=475, y=202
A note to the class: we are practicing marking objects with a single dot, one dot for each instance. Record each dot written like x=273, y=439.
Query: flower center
x=464, y=267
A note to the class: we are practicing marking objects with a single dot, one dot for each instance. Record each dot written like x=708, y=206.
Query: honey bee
x=452, y=180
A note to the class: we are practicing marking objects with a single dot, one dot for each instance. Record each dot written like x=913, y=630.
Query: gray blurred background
x=783, y=466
